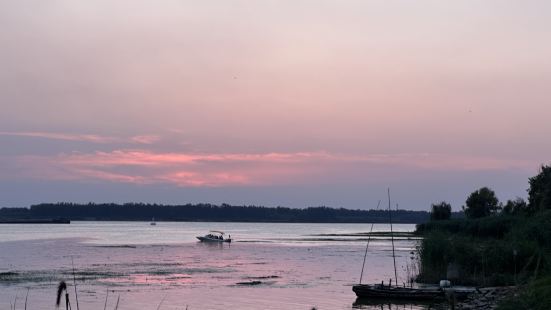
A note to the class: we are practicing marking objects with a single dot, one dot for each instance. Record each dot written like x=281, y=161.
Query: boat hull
x=385, y=292
x=207, y=239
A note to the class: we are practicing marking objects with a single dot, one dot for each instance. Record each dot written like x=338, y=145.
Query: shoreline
x=36, y=221
x=487, y=298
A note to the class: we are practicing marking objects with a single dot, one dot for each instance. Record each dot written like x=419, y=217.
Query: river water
x=268, y=266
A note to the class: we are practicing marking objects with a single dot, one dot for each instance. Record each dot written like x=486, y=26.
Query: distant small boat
x=153, y=223
x=214, y=236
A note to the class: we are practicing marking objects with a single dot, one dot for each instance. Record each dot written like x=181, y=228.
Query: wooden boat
x=395, y=292
x=214, y=236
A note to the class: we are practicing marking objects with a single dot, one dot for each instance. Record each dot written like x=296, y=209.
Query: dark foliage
x=539, y=193
x=497, y=250
x=208, y=212
x=513, y=247
x=536, y=296
x=482, y=202
x=440, y=211
x=489, y=227
x=515, y=207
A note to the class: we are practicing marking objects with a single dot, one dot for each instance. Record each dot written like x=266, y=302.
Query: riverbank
x=35, y=221
x=496, y=251
x=499, y=250
x=208, y=213
x=487, y=298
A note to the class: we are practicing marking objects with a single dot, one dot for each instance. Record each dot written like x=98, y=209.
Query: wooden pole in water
x=367, y=246
x=392, y=237
x=74, y=281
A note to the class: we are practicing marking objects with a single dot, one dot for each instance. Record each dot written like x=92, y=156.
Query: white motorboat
x=214, y=236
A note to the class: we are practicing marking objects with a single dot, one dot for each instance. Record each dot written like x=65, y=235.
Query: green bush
x=487, y=227
x=440, y=211
x=539, y=193
x=494, y=250
x=535, y=296
x=482, y=202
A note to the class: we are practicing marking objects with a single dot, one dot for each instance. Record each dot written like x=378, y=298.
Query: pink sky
x=273, y=102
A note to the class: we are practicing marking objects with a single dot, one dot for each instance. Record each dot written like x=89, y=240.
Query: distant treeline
x=208, y=212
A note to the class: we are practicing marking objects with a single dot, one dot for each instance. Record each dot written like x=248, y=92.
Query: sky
x=279, y=103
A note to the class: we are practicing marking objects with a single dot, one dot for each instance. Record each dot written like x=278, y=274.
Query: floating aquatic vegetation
x=249, y=283
x=263, y=277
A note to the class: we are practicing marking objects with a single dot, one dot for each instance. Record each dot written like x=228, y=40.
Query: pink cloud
x=61, y=136
x=146, y=139
x=140, y=139
x=238, y=169
x=148, y=158
x=110, y=176
x=186, y=178
x=145, y=167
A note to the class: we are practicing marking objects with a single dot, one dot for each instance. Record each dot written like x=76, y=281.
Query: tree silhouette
x=206, y=212
x=440, y=211
x=482, y=202
x=515, y=207
x=539, y=193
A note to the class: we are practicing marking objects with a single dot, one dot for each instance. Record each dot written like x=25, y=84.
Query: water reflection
x=214, y=245
x=146, y=265
x=395, y=304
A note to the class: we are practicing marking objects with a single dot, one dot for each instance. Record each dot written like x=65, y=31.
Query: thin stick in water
x=159, y=306
x=106, y=296
x=74, y=281
x=392, y=238
x=117, y=305
x=27, y=297
x=367, y=246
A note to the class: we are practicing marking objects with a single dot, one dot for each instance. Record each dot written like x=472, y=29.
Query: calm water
x=298, y=265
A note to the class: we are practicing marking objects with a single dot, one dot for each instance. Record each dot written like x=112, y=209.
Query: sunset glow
x=273, y=102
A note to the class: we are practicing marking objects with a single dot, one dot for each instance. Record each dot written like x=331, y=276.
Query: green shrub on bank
x=440, y=211
x=486, y=227
x=536, y=296
x=497, y=250
x=479, y=263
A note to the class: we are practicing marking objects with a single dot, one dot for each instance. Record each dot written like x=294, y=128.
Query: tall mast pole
x=367, y=246
x=392, y=238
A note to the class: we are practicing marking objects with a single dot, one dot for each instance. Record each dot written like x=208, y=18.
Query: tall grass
x=535, y=296
x=497, y=250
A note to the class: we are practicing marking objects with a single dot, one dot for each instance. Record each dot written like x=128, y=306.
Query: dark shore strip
x=366, y=234
x=487, y=298
x=342, y=239
x=35, y=221
x=207, y=213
